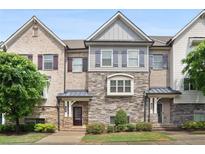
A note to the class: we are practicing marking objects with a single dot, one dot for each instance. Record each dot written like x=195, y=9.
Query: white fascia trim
x=187, y=26
x=26, y=24
x=125, y=19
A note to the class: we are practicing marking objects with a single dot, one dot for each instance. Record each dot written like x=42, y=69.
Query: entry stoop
x=75, y=129
x=165, y=127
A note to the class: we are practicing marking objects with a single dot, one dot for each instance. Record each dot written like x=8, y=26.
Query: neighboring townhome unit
x=117, y=67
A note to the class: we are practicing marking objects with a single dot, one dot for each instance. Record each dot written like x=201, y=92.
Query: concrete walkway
x=62, y=137
x=180, y=138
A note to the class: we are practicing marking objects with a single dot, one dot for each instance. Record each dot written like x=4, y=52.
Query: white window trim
x=189, y=86
x=52, y=63
x=104, y=50
x=109, y=93
x=131, y=50
x=82, y=65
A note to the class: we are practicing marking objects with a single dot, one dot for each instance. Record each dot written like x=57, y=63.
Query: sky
x=80, y=24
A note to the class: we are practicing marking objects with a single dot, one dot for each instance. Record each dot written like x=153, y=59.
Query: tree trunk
x=17, y=125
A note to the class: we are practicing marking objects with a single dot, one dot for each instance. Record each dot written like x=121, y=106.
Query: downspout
x=145, y=107
x=58, y=112
x=65, y=56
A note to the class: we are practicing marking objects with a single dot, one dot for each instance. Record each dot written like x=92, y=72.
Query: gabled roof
x=186, y=26
x=126, y=20
x=34, y=19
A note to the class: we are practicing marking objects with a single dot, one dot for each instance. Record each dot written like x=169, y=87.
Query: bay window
x=106, y=59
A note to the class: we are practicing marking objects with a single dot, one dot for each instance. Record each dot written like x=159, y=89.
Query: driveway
x=62, y=137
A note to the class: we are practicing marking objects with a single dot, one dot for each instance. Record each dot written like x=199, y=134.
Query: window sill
x=120, y=94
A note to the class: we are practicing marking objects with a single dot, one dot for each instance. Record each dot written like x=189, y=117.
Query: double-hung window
x=48, y=62
x=157, y=62
x=188, y=84
x=107, y=58
x=133, y=58
x=77, y=65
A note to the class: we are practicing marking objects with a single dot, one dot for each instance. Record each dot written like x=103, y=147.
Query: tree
x=195, y=66
x=21, y=86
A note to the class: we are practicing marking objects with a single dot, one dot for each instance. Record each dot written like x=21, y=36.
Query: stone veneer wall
x=184, y=112
x=101, y=107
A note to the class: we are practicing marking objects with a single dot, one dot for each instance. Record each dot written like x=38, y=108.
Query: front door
x=159, y=112
x=77, y=116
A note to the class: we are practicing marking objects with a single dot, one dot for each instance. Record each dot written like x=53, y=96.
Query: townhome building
x=116, y=67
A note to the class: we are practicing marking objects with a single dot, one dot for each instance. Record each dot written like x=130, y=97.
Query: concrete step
x=161, y=127
x=75, y=129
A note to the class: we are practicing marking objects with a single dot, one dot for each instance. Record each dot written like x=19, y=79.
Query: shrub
x=143, y=126
x=130, y=128
x=194, y=125
x=7, y=128
x=110, y=129
x=96, y=128
x=121, y=117
x=120, y=128
x=27, y=127
x=45, y=128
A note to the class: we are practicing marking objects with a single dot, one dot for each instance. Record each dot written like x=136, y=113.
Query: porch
x=157, y=107
x=73, y=109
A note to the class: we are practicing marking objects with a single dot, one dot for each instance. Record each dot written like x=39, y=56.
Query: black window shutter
x=70, y=64
x=165, y=61
x=97, y=58
x=142, y=57
x=124, y=58
x=55, y=62
x=115, y=58
x=85, y=64
x=40, y=62
x=151, y=61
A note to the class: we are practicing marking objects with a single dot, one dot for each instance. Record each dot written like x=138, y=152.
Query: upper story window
x=48, y=62
x=120, y=84
x=188, y=85
x=106, y=57
x=77, y=65
x=158, y=61
x=133, y=58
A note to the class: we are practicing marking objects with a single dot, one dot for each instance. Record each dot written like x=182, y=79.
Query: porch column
x=66, y=109
x=155, y=105
x=70, y=103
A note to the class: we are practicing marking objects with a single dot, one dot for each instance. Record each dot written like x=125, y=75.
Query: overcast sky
x=79, y=24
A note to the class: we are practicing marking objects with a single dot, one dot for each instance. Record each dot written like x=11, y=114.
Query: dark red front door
x=77, y=116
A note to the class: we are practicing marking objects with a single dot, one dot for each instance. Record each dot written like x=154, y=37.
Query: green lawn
x=21, y=138
x=126, y=137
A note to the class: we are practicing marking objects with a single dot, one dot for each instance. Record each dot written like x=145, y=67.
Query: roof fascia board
x=125, y=19
x=185, y=27
x=26, y=24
